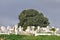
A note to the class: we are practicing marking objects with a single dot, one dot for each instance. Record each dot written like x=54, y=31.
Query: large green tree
x=31, y=17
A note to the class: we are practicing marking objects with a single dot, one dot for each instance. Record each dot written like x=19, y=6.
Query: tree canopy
x=31, y=17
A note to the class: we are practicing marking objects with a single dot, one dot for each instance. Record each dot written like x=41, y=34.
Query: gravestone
x=28, y=29
x=20, y=29
x=16, y=29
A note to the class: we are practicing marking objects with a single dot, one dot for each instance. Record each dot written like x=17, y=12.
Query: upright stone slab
x=33, y=31
x=16, y=29
x=3, y=29
x=20, y=29
x=28, y=29
x=38, y=27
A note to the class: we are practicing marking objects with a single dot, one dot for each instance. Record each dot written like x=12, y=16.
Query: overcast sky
x=10, y=9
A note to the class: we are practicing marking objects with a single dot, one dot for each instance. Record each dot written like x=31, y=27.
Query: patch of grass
x=25, y=37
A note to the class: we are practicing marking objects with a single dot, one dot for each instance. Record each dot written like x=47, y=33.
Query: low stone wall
x=37, y=34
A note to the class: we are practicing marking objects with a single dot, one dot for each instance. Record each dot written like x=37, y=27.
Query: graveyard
x=29, y=31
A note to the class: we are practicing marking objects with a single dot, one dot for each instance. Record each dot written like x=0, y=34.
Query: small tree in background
x=31, y=17
x=53, y=29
